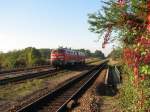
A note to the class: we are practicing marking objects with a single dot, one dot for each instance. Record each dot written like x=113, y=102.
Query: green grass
x=13, y=91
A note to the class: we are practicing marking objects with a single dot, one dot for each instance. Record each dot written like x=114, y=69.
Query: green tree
x=117, y=18
x=1, y=60
x=99, y=54
x=32, y=56
x=45, y=53
x=24, y=58
x=10, y=59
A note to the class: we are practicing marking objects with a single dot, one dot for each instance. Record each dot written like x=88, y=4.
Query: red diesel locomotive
x=63, y=56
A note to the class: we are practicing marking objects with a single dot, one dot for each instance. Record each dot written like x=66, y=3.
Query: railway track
x=15, y=75
x=19, y=76
x=26, y=75
x=23, y=75
x=22, y=69
x=57, y=100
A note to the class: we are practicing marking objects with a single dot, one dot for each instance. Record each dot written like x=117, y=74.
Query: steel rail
x=57, y=100
x=77, y=94
x=29, y=75
x=22, y=69
x=24, y=76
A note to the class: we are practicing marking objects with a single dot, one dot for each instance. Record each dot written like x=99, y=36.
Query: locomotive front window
x=60, y=51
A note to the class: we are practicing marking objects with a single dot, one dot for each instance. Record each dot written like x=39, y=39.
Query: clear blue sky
x=47, y=24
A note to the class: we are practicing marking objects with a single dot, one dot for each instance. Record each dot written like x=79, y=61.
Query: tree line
x=31, y=56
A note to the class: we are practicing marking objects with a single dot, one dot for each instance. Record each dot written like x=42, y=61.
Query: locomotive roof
x=70, y=50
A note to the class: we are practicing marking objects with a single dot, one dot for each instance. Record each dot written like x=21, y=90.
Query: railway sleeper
x=77, y=87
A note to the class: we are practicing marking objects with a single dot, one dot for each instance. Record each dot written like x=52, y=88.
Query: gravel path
x=95, y=100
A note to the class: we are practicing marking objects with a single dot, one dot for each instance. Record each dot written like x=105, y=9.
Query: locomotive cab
x=58, y=57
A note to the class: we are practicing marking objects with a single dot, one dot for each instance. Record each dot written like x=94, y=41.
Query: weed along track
x=58, y=99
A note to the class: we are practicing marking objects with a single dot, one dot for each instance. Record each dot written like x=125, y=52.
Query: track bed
x=58, y=99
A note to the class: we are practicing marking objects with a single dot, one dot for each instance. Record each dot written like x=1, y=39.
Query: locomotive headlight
x=53, y=56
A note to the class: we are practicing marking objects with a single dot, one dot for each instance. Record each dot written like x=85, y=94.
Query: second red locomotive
x=64, y=56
